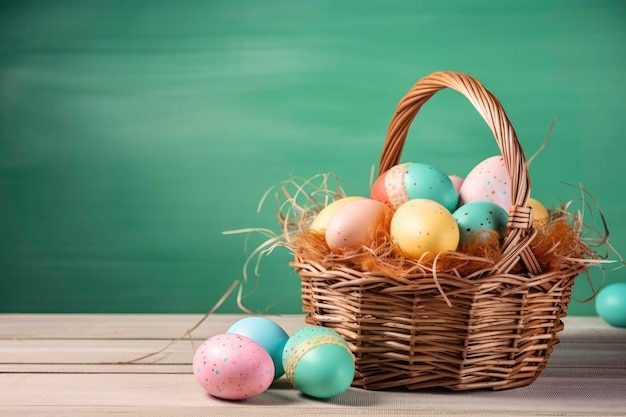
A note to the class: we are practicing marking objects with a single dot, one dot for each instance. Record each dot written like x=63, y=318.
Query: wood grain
x=63, y=365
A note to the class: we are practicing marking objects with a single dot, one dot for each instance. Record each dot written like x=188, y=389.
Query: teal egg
x=318, y=362
x=478, y=216
x=309, y=332
x=266, y=333
x=324, y=372
x=428, y=182
x=611, y=304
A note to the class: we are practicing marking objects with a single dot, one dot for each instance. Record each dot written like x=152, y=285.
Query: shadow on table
x=282, y=392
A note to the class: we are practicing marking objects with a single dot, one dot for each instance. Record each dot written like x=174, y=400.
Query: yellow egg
x=320, y=222
x=354, y=224
x=424, y=226
x=540, y=212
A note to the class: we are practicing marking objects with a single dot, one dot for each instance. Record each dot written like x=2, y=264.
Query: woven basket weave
x=495, y=331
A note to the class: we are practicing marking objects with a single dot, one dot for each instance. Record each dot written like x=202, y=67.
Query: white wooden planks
x=70, y=365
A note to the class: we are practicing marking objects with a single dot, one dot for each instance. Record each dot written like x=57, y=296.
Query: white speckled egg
x=233, y=367
x=487, y=181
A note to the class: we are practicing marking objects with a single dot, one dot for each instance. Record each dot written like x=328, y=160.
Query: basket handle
x=490, y=108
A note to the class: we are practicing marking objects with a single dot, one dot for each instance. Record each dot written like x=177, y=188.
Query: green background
x=133, y=133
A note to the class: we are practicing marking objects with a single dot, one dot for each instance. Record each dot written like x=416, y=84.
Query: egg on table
x=610, y=304
x=266, y=333
x=233, y=367
x=318, y=362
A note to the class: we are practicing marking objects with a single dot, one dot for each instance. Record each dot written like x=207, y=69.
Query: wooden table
x=71, y=365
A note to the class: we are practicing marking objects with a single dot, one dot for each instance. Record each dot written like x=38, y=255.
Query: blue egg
x=429, y=182
x=611, y=304
x=266, y=333
x=318, y=362
x=478, y=216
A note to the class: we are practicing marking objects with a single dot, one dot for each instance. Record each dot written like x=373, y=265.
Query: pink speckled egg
x=487, y=181
x=233, y=367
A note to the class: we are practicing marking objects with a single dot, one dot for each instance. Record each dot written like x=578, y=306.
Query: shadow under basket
x=496, y=330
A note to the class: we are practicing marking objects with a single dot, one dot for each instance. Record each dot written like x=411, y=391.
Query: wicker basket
x=494, y=331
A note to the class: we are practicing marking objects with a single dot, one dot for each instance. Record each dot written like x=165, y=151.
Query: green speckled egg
x=428, y=182
x=479, y=215
x=414, y=180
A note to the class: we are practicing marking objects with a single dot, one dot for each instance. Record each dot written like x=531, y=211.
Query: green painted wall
x=133, y=133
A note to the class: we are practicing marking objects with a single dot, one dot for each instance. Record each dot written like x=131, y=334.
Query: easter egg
x=389, y=187
x=456, y=181
x=478, y=216
x=309, y=332
x=354, y=224
x=611, y=304
x=321, y=220
x=487, y=181
x=378, y=191
x=318, y=362
x=266, y=333
x=424, y=226
x=541, y=215
x=413, y=180
x=233, y=367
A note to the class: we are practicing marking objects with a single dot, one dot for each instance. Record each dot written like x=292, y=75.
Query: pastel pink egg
x=323, y=217
x=233, y=367
x=487, y=181
x=456, y=181
x=354, y=224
